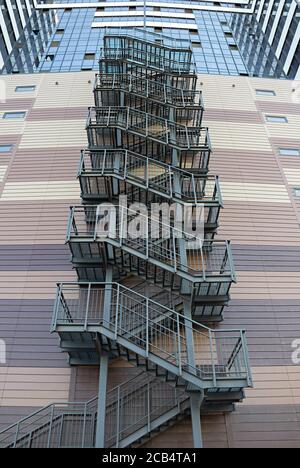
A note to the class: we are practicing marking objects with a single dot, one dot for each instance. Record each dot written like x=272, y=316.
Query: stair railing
x=144, y=171
x=221, y=355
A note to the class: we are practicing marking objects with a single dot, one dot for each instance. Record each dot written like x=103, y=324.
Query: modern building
x=150, y=337
x=24, y=35
x=226, y=38
x=269, y=40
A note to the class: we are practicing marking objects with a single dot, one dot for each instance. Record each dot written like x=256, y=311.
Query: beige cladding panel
x=65, y=90
x=267, y=285
x=244, y=136
x=34, y=387
x=12, y=81
x=3, y=170
x=55, y=190
x=259, y=223
x=12, y=127
x=54, y=134
x=34, y=222
x=261, y=193
x=288, y=130
x=284, y=90
x=274, y=385
x=32, y=284
x=227, y=93
x=293, y=176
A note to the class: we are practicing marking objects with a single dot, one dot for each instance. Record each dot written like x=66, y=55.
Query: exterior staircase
x=109, y=317
x=144, y=298
x=140, y=408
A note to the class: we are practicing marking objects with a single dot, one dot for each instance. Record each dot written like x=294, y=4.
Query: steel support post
x=103, y=372
x=196, y=401
x=101, y=411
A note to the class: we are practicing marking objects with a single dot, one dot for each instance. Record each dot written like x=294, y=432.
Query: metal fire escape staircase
x=141, y=299
x=136, y=410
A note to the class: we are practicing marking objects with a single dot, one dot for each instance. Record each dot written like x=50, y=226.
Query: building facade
x=24, y=35
x=136, y=349
x=259, y=168
x=269, y=40
x=224, y=42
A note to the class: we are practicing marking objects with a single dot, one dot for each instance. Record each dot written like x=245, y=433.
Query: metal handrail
x=128, y=397
x=206, y=258
x=129, y=393
x=192, y=189
x=190, y=99
x=159, y=331
x=161, y=54
x=145, y=36
x=33, y=421
x=149, y=126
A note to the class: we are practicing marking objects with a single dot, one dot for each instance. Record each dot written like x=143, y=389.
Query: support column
x=101, y=412
x=103, y=372
x=196, y=398
x=196, y=401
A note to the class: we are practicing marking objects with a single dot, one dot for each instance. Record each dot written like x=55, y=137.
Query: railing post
x=147, y=173
x=117, y=312
x=148, y=407
x=16, y=435
x=87, y=307
x=202, y=261
x=104, y=162
x=230, y=258
x=108, y=116
x=179, y=346
x=128, y=115
x=212, y=358
x=182, y=95
x=121, y=226
x=147, y=327
x=174, y=249
x=126, y=165
x=130, y=83
x=70, y=224
x=56, y=308
x=187, y=138
x=84, y=426
x=245, y=354
x=118, y=418
x=171, y=181
x=146, y=124
x=194, y=189
x=167, y=131
x=50, y=427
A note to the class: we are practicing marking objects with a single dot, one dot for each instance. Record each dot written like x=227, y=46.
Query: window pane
x=5, y=148
x=25, y=89
x=276, y=119
x=289, y=151
x=14, y=115
x=265, y=92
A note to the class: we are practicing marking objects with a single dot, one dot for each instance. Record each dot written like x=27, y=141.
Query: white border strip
x=21, y=13
x=220, y=9
x=5, y=33
x=12, y=18
x=159, y=14
x=28, y=6
x=276, y=21
x=285, y=31
x=292, y=51
x=260, y=9
x=138, y=24
x=268, y=14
